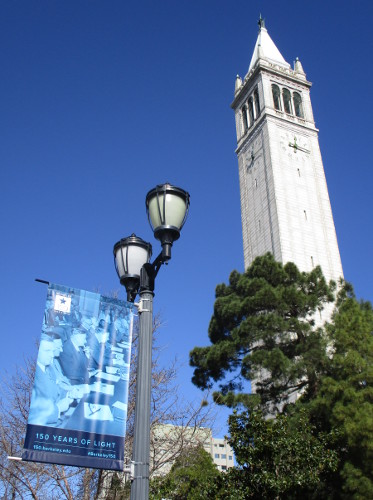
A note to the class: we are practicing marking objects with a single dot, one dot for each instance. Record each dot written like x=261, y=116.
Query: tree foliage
x=263, y=329
x=344, y=400
x=281, y=457
x=321, y=445
x=193, y=476
x=313, y=383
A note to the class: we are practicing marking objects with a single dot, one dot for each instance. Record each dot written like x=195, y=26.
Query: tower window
x=256, y=101
x=287, y=101
x=251, y=111
x=276, y=97
x=244, y=119
x=298, y=108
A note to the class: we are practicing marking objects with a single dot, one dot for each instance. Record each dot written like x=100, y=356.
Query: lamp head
x=167, y=208
x=130, y=254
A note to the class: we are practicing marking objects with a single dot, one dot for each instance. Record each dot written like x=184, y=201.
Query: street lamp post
x=167, y=209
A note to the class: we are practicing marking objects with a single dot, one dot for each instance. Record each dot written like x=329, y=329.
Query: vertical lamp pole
x=167, y=208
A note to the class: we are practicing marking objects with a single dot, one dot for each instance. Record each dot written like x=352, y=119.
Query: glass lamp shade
x=130, y=254
x=167, y=208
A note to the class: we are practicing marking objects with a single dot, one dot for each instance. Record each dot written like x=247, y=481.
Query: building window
x=276, y=97
x=223, y=467
x=298, y=108
x=217, y=455
x=256, y=101
x=224, y=456
x=244, y=119
x=251, y=111
x=286, y=96
x=230, y=457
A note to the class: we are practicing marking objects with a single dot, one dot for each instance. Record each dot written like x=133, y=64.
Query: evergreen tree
x=279, y=458
x=344, y=401
x=263, y=329
x=193, y=476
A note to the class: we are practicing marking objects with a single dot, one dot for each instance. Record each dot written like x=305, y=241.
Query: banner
x=78, y=406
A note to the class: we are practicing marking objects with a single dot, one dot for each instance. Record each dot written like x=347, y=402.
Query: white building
x=285, y=204
x=167, y=442
x=221, y=453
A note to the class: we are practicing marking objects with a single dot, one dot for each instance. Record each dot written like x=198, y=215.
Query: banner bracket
x=132, y=470
x=140, y=306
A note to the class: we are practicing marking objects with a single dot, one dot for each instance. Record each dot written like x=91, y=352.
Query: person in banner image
x=52, y=318
x=99, y=347
x=73, y=391
x=74, y=359
x=75, y=316
x=122, y=328
x=49, y=401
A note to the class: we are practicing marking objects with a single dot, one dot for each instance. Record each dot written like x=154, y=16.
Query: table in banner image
x=102, y=410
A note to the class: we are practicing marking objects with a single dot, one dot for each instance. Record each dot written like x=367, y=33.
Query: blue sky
x=101, y=101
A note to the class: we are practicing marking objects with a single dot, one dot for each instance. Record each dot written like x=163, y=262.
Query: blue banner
x=78, y=406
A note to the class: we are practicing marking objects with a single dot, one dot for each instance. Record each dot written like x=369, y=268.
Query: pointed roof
x=266, y=49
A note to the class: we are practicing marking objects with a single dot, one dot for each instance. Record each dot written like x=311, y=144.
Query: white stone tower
x=285, y=204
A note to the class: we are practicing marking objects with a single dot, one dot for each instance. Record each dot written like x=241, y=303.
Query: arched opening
x=251, y=111
x=256, y=102
x=298, y=108
x=286, y=96
x=244, y=119
x=276, y=97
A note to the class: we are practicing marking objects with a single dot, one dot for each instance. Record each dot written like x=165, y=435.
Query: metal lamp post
x=167, y=209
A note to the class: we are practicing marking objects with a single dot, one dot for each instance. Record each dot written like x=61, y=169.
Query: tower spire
x=261, y=22
x=266, y=49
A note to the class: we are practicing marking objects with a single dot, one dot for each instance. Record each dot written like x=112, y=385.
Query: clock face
x=294, y=143
x=295, y=150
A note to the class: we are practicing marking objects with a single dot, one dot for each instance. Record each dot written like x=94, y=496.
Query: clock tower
x=285, y=204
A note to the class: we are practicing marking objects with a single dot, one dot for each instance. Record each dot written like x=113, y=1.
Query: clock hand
x=296, y=147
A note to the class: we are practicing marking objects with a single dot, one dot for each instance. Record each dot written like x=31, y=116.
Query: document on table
x=103, y=388
x=118, y=362
x=97, y=412
x=125, y=345
x=108, y=376
x=120, y=405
